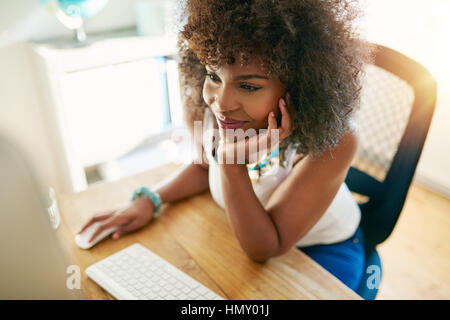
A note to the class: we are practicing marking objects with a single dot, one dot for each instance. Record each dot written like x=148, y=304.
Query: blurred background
x=91, y=94
x=82, y=108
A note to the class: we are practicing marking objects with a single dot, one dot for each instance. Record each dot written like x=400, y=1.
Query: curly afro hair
x=310, y=45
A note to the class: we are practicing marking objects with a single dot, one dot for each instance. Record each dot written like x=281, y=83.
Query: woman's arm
x=293, y=208
x=251, y=223
x=189, y=181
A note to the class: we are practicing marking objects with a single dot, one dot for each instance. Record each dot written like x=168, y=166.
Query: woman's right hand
x=132, y=217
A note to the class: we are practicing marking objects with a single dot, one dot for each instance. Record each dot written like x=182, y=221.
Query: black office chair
x=397, y=103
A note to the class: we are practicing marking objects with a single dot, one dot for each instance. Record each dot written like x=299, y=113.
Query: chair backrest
x=397, y=103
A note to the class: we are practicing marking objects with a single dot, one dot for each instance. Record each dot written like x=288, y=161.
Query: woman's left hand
x=266, y=140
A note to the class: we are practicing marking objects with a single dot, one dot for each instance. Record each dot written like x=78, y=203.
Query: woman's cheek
x=259, y=111
x=205, y=94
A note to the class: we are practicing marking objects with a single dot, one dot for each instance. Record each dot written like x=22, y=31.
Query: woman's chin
x=230, y=135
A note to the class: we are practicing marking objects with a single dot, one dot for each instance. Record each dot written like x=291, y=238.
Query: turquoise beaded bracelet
x=153, y=196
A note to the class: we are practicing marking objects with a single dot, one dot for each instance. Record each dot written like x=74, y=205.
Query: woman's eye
x=244, y=86
x=213, y=77
x=249, y=88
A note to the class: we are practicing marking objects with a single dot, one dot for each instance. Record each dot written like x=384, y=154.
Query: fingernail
x=272, y=114
x=283, y=103
x=115, y=236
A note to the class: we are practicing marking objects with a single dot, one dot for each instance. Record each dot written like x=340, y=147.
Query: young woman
x=287, y=65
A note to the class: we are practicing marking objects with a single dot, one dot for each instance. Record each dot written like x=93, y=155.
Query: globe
x=71, y=13
x=82, y=8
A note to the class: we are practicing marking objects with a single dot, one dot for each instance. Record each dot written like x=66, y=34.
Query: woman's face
x=243, y=93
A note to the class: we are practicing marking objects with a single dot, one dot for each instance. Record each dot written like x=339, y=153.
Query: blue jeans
x=345, y=260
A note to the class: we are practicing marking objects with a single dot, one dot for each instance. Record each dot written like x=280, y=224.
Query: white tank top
x=338, y=223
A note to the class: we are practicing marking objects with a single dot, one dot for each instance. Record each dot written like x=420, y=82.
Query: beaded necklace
x=255, y=170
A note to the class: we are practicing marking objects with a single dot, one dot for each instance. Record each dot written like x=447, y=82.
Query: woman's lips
x=229, y=123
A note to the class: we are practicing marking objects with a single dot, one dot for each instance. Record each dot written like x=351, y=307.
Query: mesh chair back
x=397, y=103
x=386, y=103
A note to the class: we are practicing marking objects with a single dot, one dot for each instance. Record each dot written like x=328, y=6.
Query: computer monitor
x=32, y=264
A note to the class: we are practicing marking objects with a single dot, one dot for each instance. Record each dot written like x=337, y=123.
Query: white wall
x=421, y=30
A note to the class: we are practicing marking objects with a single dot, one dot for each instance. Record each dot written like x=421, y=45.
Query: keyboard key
x=161, y=282
x=176, y=292
x=142, y=279
x=186, y=289
x=163, y=294
x=139, y=286
x=202, y=290
x=152, y=296
x=210, y=295
x=138, y=273
x=183, y=296
x=169, y=287
x=193, y=295
x=178, y=284
x=170, y=296
x=165, y=276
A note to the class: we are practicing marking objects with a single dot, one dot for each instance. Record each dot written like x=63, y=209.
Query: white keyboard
x=138, y=273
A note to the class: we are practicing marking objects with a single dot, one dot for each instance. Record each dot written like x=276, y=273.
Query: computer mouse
x=82, y=239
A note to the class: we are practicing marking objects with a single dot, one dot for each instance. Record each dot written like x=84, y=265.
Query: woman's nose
x=225, y=101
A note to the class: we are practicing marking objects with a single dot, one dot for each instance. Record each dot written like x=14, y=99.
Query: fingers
x=97, y=217
x=271, y=131
x=133, y=225
x=272, y=121
x=116, y=221
x=286, y=120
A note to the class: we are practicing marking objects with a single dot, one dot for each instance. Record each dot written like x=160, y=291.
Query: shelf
x=103, y=49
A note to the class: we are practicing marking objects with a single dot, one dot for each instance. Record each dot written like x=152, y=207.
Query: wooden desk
x=195, y=236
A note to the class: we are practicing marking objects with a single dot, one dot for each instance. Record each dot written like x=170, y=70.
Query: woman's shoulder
x=298, y=157
x=341, y=155
x=350, y=139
